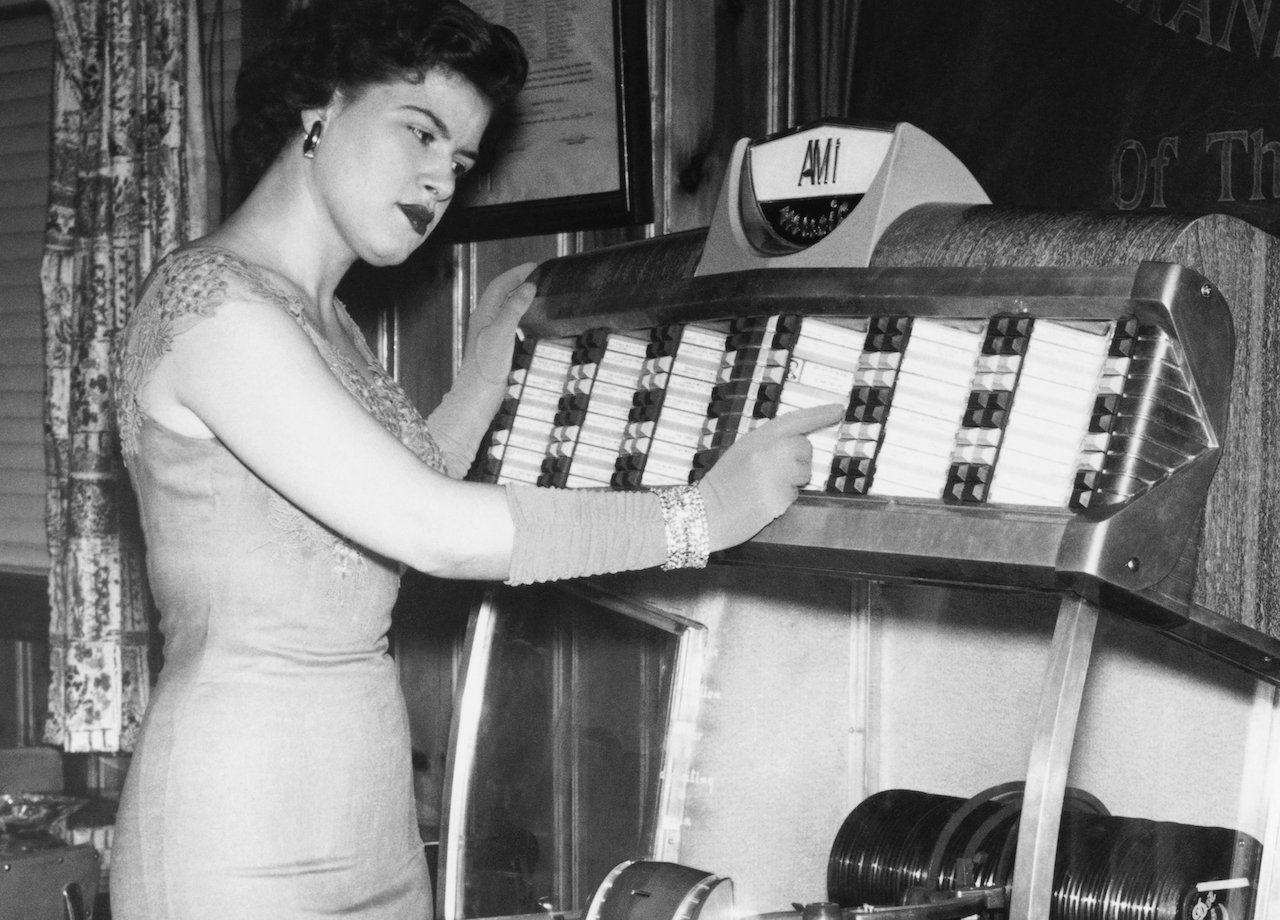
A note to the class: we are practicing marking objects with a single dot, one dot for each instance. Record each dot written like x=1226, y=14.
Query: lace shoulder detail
x=386, y=401
x=184, y=287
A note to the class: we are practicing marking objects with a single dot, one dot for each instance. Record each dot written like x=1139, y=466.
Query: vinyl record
x=1107, y=867
x=862, y=861
x=916, y=847
x=1083, y=845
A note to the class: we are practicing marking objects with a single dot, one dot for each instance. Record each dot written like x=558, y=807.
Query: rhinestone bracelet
x=685, y=517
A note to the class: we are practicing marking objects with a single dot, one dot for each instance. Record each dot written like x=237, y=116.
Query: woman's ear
x=309, y=117
x=313, y=124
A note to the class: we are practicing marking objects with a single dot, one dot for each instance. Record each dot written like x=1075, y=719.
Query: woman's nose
x=439, y=180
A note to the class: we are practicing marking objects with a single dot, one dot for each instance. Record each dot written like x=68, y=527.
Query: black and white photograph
x=639, y=460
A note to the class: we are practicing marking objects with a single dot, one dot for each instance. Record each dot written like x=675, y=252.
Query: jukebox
x=1011, y=654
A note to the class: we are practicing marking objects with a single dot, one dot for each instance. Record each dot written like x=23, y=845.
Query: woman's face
x=390, y=157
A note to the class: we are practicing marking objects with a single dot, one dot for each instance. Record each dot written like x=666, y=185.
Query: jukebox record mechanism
x=903, y=854
x=647, y=890
x=915, y=855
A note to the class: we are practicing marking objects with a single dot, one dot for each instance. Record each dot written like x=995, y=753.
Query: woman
x=284, y=480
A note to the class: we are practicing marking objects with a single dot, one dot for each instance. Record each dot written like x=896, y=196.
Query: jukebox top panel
x=822, y=194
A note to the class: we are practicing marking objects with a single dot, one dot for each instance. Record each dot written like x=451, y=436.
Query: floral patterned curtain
x=118, y=199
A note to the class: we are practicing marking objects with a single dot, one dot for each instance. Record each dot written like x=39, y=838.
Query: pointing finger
x=802, y=421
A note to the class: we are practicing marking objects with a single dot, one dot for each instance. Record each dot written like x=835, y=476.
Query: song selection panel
x=1005, y=410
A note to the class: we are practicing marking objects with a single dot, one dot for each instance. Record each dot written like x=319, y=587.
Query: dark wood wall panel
x=1125, y=105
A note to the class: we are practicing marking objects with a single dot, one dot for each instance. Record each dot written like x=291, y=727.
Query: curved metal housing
x=1170, y=421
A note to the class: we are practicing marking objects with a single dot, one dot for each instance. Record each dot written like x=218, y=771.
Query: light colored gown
x=273, y=777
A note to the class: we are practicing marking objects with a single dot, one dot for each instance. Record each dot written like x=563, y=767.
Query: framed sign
x=577, y=154
x=1115, y=105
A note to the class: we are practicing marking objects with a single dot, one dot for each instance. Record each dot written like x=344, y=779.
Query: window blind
x=26, y=77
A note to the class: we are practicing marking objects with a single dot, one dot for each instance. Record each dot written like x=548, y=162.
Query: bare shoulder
x=196, y=301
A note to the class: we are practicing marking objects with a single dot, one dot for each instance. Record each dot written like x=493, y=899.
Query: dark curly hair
x=349, y=44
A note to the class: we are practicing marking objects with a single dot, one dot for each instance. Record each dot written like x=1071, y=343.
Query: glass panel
x=1173, y=744
x=568, y=753
x=825, y=697
x=957, y=676
x=1167, y=799
x=858, y=743
x=960, y=673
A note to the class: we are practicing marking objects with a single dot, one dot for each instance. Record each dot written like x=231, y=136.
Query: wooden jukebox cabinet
x=1010, y=655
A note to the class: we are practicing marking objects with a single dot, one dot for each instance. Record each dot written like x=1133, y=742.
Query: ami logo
x=821, y=164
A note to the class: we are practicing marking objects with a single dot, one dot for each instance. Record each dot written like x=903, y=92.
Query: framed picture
x=577, y=154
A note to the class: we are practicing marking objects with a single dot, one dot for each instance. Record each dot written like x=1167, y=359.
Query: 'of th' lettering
x=821, y=162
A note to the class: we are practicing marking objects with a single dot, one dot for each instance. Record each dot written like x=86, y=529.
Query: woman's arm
x=249, y=375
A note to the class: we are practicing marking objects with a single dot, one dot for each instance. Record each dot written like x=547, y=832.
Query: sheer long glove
x=463, y=416
x=760, y=475
x=566, y=533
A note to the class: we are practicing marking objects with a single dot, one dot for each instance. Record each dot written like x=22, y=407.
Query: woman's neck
x=277, y=228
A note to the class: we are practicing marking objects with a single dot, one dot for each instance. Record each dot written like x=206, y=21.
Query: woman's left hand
x=492, y=327
x=463, y=416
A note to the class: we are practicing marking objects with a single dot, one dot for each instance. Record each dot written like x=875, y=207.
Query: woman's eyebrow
x=441, y=128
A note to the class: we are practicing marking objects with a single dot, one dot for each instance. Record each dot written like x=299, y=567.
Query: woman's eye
x=460, y=170
x=424, y=137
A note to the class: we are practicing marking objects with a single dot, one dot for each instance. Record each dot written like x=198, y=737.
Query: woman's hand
x=463, y=416
x=760, y=474
x=491, y=330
